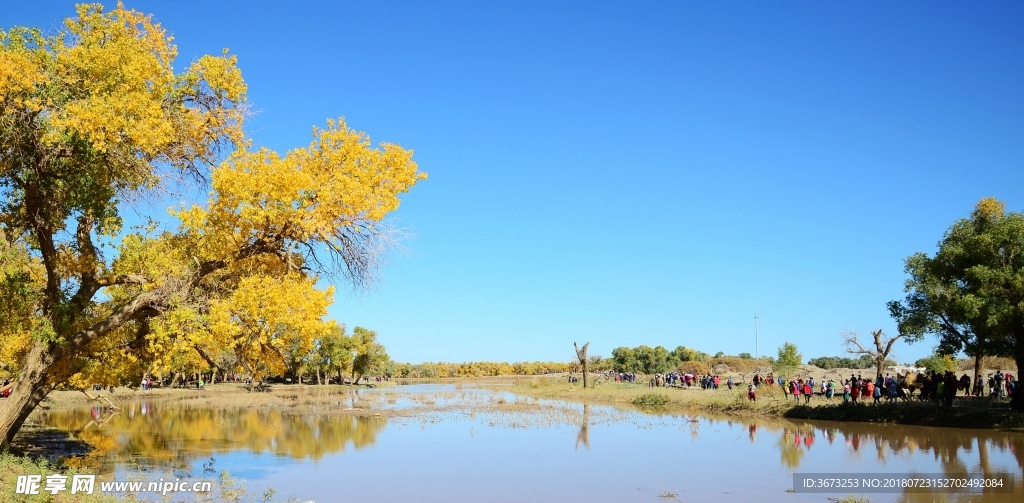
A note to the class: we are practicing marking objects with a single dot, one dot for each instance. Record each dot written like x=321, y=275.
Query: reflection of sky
x=455, y=456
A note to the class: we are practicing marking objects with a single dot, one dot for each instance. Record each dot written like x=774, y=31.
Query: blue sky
x=639, y=172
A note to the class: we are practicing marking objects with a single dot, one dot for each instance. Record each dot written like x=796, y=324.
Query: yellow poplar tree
x=95, y=115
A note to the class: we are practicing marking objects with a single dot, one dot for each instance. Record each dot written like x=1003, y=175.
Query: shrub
x=1000, y=362
x=694, y=367
x=735, y=364
x=991, y=362
x=650, y=400
x=937, y=363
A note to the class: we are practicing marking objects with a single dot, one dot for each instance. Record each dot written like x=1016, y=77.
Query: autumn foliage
x=96, y=115
x=478, y=369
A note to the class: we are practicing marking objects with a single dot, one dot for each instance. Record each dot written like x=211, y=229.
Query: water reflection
x=495, y=433
x=792, y=453
x=889, y=448
x=174, y=436
x=584, y=434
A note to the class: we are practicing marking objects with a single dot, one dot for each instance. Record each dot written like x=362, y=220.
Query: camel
x=964, y=384
x=908, y=383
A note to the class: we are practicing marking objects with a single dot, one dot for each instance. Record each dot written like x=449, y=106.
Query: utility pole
x=756, y=355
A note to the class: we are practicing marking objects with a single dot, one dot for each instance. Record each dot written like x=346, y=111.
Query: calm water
x=441, y=443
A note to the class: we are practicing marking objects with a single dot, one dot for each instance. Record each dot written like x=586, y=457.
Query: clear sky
x=639, y=172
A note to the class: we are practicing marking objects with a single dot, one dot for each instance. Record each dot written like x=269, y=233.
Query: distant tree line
x=647, y=360
x=474, y=369
x=840, y=362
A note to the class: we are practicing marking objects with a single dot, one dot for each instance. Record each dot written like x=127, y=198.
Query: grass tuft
x=650, y=400
x=851, y=499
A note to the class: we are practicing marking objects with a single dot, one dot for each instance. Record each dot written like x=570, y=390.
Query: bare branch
x=100, y=398
x=852, y=344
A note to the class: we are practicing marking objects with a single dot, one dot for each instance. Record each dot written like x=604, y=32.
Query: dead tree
x=581, y=353
x=100, y=398
x=881, y=352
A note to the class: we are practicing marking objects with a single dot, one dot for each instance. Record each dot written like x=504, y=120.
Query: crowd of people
x=707, y=381
x=995, y=385
x=943, y=387
x=939, y=387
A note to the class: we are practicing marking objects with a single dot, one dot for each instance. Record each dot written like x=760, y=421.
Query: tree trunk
x=581, y=355
x=584, y=434
x=318, y=382
x=983, y=459
x=30, y=389
x=977, y=372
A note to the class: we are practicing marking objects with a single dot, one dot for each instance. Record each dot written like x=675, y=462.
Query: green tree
x=625, y=360
x=937, y=363
x=645, y=358
x=971, y=293
x=370, y=355
x=839, y=362
x=684, y=354
x=789, y=358
x=661, y=361
x=332, y=354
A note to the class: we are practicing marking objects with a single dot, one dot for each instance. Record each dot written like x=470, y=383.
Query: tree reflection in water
x=958, y=451
x=174, y=436
x=584, y=434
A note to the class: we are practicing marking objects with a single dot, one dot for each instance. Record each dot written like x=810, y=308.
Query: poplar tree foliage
x=647, y=360
x=96, y=115
x=369, y=356
x=971, y=292
x=789, y=358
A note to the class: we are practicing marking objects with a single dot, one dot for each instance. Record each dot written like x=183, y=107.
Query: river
x=456, y=443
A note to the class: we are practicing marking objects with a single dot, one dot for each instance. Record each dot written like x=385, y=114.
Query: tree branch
x=144, y=305
x=123, y=279
x=87, y=286
x=850, y=339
